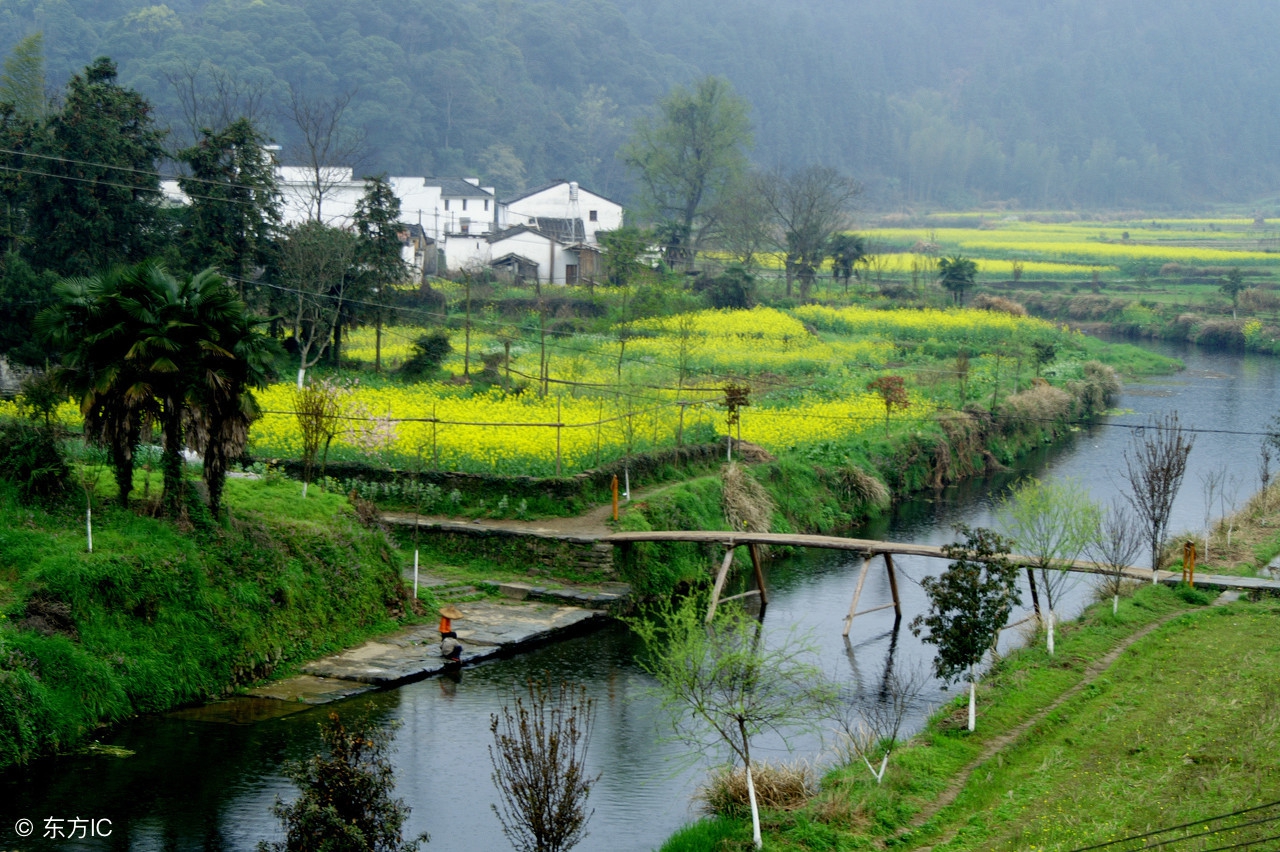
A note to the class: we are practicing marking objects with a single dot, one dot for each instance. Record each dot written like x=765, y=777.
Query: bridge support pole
x=857, y=593
x=719, y=587
x=754, y=550
x=893, y=587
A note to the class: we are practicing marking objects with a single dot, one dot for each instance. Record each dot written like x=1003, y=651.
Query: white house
x=566, y=209
x=550, y=232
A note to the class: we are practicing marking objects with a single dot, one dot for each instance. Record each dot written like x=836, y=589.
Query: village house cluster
x=549, y=234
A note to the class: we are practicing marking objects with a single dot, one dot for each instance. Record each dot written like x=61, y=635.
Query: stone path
x=487, y=629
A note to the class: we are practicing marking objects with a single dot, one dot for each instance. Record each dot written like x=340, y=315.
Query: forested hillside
x=1073, y=102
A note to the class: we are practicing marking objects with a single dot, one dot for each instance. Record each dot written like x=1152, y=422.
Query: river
x=196, y=784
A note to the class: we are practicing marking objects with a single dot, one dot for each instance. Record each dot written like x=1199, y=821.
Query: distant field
x=1076, y=249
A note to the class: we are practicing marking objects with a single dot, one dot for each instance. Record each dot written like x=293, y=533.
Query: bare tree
x=1228, y=502
x=809, y=206
x=1155, y=463
x=871, y=732
x=539, y=757
x=212, y=99
x=1115, y=546
x=330, y=151
x=1211, y=484
x=317, y=267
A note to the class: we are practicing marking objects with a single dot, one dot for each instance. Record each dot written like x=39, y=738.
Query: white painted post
x=88, y=525
x=973, y=698
x=755, y=813
x=415, y=573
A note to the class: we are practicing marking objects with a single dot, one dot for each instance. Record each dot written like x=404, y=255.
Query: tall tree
x=94, y=202
x=328, y=148
x=379, y=262
x=1155, y=462
x=235, y=202
x=315, y=265
x=22, y=80
x=809, y=205
x=17, y=138
x=686, y=156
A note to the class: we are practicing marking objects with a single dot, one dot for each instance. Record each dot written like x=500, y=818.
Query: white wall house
x=463, y=219
x=564, y=205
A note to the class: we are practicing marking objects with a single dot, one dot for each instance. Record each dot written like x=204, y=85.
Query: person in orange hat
x=450, y=647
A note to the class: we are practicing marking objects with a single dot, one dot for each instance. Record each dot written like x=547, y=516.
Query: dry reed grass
x=780, y=787
x=747, y=505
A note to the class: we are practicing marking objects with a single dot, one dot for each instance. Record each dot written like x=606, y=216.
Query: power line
x=1206, y=821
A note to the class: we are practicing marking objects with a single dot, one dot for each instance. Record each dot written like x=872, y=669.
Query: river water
x=197, y=784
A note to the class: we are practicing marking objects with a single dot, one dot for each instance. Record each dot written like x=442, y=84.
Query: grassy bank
x=807, y=492
x=161, y=615
x=1181, y=727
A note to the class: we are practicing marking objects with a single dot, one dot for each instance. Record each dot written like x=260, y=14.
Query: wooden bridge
x=870, y=548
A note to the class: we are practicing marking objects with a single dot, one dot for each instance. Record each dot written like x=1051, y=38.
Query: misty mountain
x=1048, y=103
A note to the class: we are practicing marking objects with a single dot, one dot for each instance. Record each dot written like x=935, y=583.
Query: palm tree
x=140, y=345
x=89, y=327
x=221, y=406
x=957, y=274
x=847, y=251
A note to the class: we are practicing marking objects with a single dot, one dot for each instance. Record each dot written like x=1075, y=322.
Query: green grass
x=852, y=812
x=1191, y=723
x=161, y=615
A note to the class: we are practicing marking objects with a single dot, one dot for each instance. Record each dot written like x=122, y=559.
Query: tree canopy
x=686, y=156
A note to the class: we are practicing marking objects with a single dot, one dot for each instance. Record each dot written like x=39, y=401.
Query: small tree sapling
x=1115, y=546
x=539, y=757
x=1052, y=522
x=968, y=605
x=723, y=688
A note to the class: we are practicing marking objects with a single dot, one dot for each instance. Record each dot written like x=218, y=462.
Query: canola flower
x=591, y=417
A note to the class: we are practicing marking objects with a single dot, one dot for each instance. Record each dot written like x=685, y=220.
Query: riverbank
x=1166, y=689
x=161, y=615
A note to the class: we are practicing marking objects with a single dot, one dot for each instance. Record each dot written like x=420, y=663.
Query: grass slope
x=161, y=615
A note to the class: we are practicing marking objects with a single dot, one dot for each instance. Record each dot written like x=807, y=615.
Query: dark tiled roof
x=497, y=236
x=554, y=183
x=455, y=187
x=563, y=230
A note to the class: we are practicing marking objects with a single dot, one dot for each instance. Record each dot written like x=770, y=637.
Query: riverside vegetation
x=154, y=618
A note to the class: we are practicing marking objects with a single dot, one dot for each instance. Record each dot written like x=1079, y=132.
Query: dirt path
x=593, y=523
x=998, y=744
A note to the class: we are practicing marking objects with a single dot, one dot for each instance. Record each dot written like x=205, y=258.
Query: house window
x=486, y=204
x=446, y=204
x=464, y=204
x=592, y=216
x=465, y=224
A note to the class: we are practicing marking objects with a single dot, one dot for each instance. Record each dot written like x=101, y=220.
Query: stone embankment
x=523, y=616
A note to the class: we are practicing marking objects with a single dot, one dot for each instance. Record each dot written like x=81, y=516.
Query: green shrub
x=31, y=458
